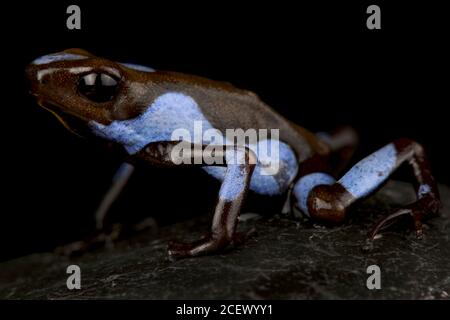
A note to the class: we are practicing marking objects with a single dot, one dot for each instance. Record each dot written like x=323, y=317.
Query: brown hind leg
x=342, y=143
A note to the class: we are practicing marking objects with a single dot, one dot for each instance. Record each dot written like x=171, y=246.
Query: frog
x=139, y=108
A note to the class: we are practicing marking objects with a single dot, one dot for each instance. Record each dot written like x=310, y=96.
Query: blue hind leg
x=322, y=198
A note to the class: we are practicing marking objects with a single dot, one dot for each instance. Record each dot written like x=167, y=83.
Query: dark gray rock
x=286, y=259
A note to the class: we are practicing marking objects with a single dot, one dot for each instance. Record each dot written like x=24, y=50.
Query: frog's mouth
x=67, y=119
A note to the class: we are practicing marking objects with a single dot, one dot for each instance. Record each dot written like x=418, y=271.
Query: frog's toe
x=179, y=250
x=209, y=244
x=417, y=211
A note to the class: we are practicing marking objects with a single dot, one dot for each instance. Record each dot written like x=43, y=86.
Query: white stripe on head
x=76, y=70
x=58, y=57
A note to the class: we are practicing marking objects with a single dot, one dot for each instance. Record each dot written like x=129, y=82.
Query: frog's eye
x=98, y=87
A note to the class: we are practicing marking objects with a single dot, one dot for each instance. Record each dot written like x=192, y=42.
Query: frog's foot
x=106, y=238
x=206, y=245
x=424, y=207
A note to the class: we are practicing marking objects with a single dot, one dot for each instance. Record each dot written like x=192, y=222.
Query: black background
x=316, y=64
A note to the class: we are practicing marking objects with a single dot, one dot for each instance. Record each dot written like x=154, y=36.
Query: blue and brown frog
x=139, y=108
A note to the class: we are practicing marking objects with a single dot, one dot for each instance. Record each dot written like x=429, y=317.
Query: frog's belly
x=264, y=181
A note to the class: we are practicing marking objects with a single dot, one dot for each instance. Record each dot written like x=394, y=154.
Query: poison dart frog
x=139, y=109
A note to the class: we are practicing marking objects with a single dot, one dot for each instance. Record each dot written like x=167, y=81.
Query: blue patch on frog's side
x=138, y=67
x=304, y=186
x=175, y=110
x=368, y=174
x=58, y=57
x=167, y=113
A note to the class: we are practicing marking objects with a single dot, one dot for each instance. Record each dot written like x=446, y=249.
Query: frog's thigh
x=274, y=172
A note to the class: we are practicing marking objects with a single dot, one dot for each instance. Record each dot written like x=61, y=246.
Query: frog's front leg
x=119, y=181
x=324, y=199
x=240, y=163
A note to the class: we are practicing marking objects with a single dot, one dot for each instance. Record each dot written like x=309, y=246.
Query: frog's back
x=228, y=107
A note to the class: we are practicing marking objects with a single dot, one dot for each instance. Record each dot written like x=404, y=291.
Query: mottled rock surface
x=286, y=259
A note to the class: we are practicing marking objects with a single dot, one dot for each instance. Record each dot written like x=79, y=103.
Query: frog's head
x=75, y=84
